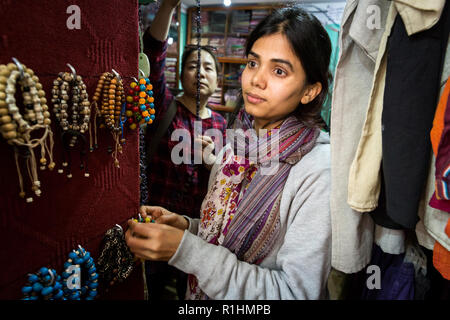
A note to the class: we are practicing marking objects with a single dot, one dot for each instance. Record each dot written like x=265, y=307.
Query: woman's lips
x=254, y=99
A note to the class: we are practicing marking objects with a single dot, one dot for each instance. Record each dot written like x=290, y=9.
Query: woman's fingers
x=137, y=229
x=166, y=219
x=153, y=241
x=153, y=211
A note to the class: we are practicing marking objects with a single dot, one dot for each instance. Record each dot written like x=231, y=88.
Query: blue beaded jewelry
x=82, y=261
x=44, y=284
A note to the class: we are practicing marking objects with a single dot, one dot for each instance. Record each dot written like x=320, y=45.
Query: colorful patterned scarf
x=241, y=209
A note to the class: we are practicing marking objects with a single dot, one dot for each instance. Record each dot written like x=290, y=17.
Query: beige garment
x=364, y=177
x=352, y=232
x=431, y=226
x=419, y=15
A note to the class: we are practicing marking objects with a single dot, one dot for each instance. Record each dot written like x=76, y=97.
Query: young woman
x=261, y=236
x=180, y=188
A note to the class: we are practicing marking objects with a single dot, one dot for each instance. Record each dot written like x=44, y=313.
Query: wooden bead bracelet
x=19, y=130
x=110, y=95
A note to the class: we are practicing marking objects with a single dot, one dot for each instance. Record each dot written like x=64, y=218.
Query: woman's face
x=273, y=81
x=208, y=75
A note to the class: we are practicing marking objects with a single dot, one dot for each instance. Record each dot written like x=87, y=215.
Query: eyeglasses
x=194, y=46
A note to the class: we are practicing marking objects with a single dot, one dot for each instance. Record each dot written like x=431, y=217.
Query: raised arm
x=159, y=28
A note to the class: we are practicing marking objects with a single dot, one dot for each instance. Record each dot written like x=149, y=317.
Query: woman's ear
x=311, y=92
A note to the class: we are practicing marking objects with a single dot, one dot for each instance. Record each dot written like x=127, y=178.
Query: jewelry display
x=25, y=125
x=72, y=112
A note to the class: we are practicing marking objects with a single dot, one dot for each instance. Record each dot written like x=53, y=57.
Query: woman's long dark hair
x=311, y=44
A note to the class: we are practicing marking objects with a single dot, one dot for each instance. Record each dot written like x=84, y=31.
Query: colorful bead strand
x=140, y=104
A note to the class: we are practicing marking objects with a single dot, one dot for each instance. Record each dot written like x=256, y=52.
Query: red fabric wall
x=78, y=210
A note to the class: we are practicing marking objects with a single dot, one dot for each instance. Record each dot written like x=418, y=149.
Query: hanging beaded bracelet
x=140, y=106
x=80, y=260
x=116, y=262
x=44, y=284
x=110, y=93
x=72, y=112
x=18, y=129
x=79, y=105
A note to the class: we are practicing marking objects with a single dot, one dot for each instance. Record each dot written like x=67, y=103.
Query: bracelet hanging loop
x=116, y=74
x=74, y=73
x=20, y=67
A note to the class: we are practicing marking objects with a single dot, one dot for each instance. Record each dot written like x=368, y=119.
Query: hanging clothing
x=433, y=213
x=396, y=277
x=364, y=178
x=352, y=232
x=438, y=121
x=441, y=256
x=408, y=110
x=443, y=158
x=440, y=200
x=433, y=221
x=298, y=263
x=390, y=241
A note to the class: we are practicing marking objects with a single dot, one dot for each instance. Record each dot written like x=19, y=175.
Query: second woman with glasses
x=182, y=187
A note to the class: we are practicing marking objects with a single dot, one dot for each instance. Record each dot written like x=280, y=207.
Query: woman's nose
x=202, y=72
x=259, y=79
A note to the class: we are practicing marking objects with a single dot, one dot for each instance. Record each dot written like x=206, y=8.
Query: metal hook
x=120, y=227
x=116, y=74
x=135, y=80
x=142, y=73
x=52, y=281
x=20, y=66
x=73, y=71
x=140, y=217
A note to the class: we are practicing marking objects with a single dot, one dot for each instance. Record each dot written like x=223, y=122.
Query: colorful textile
x=438, y=121
x=442, y=159
x=441, y=256
x=241, y=209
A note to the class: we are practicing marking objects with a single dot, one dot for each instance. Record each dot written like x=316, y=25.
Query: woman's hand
x=164, y=216
x=207, y=151
x=152, y=241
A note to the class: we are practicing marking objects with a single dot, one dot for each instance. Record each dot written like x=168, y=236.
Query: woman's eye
x=280, y=72
x=251, y=63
